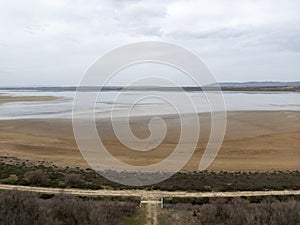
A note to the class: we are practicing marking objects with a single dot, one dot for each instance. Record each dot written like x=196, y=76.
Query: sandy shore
x=254, y=140
x=7, y=98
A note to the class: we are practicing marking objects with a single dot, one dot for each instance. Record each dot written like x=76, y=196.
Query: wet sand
x=6, y=98
x=254, y=141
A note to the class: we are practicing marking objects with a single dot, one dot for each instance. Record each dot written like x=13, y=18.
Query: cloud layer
x=53, y=42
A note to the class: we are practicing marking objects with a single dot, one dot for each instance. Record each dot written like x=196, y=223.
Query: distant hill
x=259, y=84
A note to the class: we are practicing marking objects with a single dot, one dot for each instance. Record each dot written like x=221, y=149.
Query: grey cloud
x=220, y=33
x=283, y=38
x=141, y=19
x=276, y=38
x=145, y=13
x=35, y=29
x=3, y=45
x=124, y=2
x=240, y=37
x=268, y=37
x=146, y=31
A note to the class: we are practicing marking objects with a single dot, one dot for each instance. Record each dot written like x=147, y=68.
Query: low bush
x=19, y=208
x=41, y=175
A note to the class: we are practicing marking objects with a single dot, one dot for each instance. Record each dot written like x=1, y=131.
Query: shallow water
x=154, y=104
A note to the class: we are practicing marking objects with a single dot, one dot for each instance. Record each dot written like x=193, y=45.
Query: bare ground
x=254, y=141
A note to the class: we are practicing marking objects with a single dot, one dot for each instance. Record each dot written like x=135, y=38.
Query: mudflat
x=7, y=98
x=254, y=141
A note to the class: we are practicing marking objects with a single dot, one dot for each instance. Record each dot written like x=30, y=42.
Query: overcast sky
x=53, y=42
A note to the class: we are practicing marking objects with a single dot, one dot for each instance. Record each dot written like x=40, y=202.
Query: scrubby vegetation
x=22, y=173
x=18, y=208
x=235, y=211
x=27, y=208
x=175, y=201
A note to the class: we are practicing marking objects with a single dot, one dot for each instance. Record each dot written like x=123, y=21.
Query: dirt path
x=146, y=194
x=151, y=204
x=151, y=212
